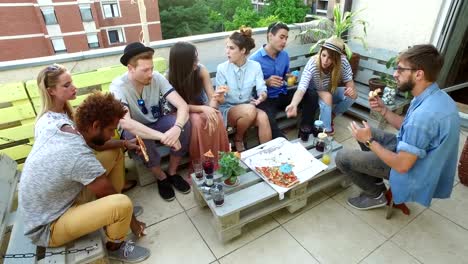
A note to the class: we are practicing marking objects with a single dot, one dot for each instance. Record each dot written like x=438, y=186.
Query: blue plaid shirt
x=430, y=130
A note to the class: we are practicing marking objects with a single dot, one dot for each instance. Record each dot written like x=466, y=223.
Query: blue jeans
x=341, y=104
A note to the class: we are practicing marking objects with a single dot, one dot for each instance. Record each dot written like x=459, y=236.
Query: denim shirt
x=278, y=66
x=430, y=130
x=241, y=81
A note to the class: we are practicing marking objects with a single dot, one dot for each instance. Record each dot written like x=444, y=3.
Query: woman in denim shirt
x=247, y=89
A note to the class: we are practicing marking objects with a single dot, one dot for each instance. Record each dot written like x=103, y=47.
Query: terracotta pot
x=354, y=62
x=463, y=165
x=375, y=83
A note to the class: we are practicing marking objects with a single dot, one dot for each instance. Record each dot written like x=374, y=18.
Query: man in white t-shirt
x=60, y=167
x=140, y=90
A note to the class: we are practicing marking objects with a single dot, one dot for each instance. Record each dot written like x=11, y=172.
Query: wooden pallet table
x=253, y=198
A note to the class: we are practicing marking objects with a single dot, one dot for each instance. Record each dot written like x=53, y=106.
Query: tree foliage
x=189, y=17
x=288, y=11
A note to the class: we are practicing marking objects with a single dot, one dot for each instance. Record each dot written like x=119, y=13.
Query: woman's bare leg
x=241, y=117
x=264, y=129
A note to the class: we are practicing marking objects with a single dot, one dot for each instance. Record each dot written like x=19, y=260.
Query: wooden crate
x=17, y=118
x=253, y=198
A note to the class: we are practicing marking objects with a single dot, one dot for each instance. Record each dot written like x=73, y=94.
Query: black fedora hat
x=133, y=49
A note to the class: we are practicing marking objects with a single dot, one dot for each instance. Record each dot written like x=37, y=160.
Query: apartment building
x=36, y=28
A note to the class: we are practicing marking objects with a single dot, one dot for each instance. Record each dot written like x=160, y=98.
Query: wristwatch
x=369, y=142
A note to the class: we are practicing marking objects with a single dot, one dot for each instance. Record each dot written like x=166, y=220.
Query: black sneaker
x=165, y=189
x=179, y=183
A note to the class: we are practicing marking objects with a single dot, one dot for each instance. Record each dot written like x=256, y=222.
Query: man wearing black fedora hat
x=142, y=91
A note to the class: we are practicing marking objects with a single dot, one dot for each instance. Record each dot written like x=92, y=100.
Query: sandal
x=239, y=145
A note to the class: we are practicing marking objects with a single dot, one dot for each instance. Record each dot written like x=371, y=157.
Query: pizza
x=276, y=176
x=142, y=148
x=222, y=89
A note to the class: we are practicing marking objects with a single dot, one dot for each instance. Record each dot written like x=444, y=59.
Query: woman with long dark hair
x=192, y=81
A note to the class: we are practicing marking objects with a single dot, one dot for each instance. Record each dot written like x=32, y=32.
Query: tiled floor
x=325, y=231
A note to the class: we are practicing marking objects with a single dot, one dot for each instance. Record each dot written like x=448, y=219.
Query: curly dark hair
x=101, y=107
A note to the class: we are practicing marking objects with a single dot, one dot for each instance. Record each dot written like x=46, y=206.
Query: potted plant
x=230, y=168
x=323, y=28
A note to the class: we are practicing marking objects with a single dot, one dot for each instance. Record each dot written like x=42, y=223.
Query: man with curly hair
x=141, y=91
x=60, y=167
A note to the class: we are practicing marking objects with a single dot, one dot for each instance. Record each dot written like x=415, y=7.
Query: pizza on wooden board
x=276, y=176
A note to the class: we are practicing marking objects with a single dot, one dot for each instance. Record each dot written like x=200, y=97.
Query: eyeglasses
x=402, y=69
x=143, y=108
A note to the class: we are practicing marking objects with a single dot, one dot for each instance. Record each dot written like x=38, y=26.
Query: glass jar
x=321, y=142
x=327, y=153
x=217, y=193
x=318, y=127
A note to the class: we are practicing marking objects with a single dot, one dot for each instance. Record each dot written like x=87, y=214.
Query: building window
x=111, y=9
x=49, y=16
x=85, y=12
x=93, y=41
x=59, y=45
x=115, y=36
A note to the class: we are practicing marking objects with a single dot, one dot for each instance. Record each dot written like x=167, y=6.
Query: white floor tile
x=273, y=248
x=283, y=215
x=432, y=238
x=176, y=240
x=203, y=220
x=332, y=234
x=376, y=217
x=389, y=253
x=155, y=208
x=456, y=207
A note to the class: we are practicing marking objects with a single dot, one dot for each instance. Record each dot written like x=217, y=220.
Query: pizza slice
x=142, y=148
x=276, y=176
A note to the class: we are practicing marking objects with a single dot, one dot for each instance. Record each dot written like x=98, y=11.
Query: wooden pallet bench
x=253, y=198
x=372, y=65
x=20, y=249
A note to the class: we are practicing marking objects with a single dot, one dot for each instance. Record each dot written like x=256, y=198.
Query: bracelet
x=180, y=127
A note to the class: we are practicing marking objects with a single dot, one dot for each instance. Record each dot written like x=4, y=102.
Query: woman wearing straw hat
x=323, y=73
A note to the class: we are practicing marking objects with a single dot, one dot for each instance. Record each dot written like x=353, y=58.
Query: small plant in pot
x=390, y=90
x=230, y=168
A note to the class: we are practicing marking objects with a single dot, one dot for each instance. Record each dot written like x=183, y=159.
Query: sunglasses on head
x=142, y=105
x=50, y=69
x=279, y=23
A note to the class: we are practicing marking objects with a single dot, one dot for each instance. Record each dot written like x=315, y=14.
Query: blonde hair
x=48, y=79
x=336, y=68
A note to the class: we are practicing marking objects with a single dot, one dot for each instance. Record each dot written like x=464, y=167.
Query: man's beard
x=407, y=86
x=98, y=140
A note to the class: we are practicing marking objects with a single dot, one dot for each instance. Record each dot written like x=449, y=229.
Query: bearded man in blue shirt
x=420, y=161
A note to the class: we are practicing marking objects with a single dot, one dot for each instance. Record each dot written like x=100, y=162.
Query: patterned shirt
x=310, y=77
